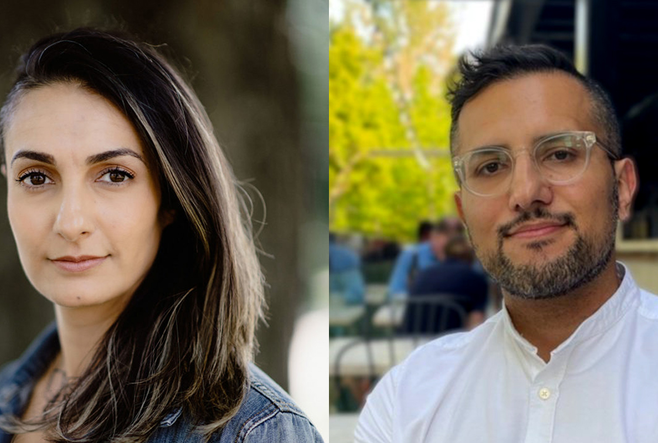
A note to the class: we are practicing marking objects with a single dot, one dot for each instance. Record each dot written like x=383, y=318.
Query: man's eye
x=560, y=155
x=489, y=168
x=492, y=167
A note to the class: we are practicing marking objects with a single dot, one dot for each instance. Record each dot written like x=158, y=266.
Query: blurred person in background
x=427, y=252
x=543, y=183
x=127, y=217
x=456, y=279
x=377, y=250
x=424, y=231
x=345, y=278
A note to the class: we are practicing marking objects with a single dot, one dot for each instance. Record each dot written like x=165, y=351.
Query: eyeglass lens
x=558, y=160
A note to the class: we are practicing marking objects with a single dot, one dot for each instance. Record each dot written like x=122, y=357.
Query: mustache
x=564, y=218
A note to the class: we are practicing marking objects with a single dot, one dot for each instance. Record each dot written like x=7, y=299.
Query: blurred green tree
x=388, y=63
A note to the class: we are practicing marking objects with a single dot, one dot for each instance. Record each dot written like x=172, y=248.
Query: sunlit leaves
x=387, y=64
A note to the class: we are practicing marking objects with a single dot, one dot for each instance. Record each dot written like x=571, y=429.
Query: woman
x=126, y=216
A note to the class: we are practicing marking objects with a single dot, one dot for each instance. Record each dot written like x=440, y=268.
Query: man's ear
x=628, y=182
x=3, y=169
x=458, y=204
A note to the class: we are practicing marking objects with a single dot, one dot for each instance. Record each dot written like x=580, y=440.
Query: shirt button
x=544, y=393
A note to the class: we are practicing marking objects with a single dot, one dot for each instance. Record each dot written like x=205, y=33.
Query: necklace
x=57, y=380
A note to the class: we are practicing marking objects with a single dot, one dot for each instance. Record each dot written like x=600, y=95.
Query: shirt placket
x=543, y=395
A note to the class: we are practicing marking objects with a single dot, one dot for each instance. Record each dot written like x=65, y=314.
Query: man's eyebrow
x=535, y=140
x=107, y=155
x=34, y=155
x=547, y=135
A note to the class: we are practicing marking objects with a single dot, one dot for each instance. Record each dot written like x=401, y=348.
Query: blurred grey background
x=261, y=70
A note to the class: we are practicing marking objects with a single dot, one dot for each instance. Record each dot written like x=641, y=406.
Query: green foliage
x=387, y=63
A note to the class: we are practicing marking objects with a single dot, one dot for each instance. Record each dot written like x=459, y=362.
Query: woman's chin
x=80, y=297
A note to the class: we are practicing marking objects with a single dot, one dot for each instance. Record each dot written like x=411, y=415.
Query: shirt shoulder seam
x=645, y=309
x=254, y=420
x=260, y=417
x=275, y=399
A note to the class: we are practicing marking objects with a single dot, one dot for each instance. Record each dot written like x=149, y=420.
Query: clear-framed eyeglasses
x=560, y=159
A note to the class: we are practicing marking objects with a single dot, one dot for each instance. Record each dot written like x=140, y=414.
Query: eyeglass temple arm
x=608, y=151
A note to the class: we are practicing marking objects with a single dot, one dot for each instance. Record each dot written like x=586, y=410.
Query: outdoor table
x=389, y=316
x=376, y=294
x=345, y=316
x=342, y=426
x=365, y=358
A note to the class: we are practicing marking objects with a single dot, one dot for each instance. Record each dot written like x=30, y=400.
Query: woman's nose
x=74, y=215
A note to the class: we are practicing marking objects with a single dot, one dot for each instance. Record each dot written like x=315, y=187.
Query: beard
x=585, y=259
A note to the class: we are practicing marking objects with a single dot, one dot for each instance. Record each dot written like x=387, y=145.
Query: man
x=428, y=252
x=345, y=278
x=424, y=231
x=456, y=279
x=572, y=357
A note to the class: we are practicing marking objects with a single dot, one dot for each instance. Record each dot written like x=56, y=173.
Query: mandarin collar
x=624, y=298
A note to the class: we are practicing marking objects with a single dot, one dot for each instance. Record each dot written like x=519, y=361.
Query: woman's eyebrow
x=33, y=155
x=103, y=156
x=93, y=159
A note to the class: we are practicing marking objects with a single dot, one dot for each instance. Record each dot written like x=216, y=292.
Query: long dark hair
x=187, y=335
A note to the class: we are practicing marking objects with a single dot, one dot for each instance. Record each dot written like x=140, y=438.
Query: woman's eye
x=116, y=176
x=34, y=179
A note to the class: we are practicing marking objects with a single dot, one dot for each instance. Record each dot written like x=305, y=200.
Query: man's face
x=541, y=240
x=439, y=239
x=438, y=242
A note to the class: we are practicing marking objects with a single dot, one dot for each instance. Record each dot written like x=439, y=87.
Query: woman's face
x=82, y=203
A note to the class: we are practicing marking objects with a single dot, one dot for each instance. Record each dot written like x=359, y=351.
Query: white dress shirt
x=489, y=385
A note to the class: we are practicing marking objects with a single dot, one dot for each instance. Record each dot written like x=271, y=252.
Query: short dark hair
x=449, y=225
x=424, y=229
x=479, y=69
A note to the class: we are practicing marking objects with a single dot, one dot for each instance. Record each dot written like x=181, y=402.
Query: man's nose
x=74, y=219
x=528, y=188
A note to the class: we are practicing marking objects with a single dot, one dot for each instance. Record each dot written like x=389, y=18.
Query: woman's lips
x=78, y=265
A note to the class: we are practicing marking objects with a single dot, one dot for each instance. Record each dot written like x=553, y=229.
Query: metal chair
x=407, y=324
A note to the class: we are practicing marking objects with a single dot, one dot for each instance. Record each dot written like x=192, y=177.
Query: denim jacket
x=267, y=413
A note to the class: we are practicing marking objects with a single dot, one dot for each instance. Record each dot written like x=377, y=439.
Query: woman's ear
x=3, y=169
x=167, y=217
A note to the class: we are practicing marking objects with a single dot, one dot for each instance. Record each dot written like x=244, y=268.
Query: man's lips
x=78, y=264
x=534, y=230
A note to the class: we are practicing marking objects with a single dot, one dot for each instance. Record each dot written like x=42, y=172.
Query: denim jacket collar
x=267, y=413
